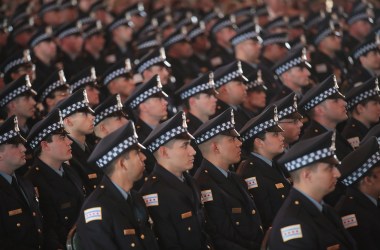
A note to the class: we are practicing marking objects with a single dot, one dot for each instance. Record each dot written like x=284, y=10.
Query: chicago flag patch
x=291, y=232
x=92, y=214
x=151, y=200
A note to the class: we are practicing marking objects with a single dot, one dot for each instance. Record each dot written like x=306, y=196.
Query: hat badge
x=93, y=74
x=240, y=70
x=99, y=25
x=128, y=66
x=378, y=40
x=377, y=85
x=119, y=105
x=333, y=138
x=259, y=79
x=15, y=120
x=335, y=83
x=85, y=98
x=232, y=117
x=49, y=30
x=275, y=115
x=134, y=131
x=27, y=80
x=211, y=80
x=184, y=124
x=26, y=55
x=60, y=118
x=61, y=76
x=162, y=54
x=158, y=79
x=304, y=55
x=295, y=102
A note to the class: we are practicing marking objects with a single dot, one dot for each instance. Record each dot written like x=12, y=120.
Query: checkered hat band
x=116, y=151
x=309, y=159
x=165, y=138
x=320, y=98
x=81, y=82
x=361, y=97
x=357, y=18
x=222, y=25
x=14, y=94
x=254, y=84
x=51, y=88
x=354, y=176
x=39, y=39
x=288, y=65
x=174, y=39
x=365, y=49
x=68, y=32
x=71, y=109
x=90, y=32
x=195, y=90
x=105, y=113
x=115, y=74
x=280, y=22
x=149, y=63
x=227, y=78
x=45, y=132
x=214, y=131
x=258, y=128
x=145, y=95
x=313, y=22
x=148, y=44
x=287, y=111
x=194, y=33
x=8, y=135
x=243, y=37
x=274, y=40
x=49, y=8
x=118, y=23
x=322, y=35
x=13, y=64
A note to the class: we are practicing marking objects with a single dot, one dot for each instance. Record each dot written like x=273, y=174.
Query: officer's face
x=124, y=86
x=134, y=161
x=299, y=76
x=93, y=95
x=205, y=103
x=370, y=111
x=57, y=96
x=237, y=92
x=335, y=110
x=113, y=123
x=12, y=156
x=332, y=43
x=229, y=148
x=251, y=49
x=273, y=144
x=256, y=99
x=371, y=60
x=375, y=180
x=160, y=70
x=292, y=129
x=82, y=123
x=156, y=107
x=323, y=178
x=25, y=106
x=46, y=49
x=59, y=150
x=180, y=155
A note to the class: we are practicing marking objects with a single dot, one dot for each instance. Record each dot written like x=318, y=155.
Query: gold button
x=34, y=213
x=253, y=211
x=39, y=230
x=282, y=196
x=146, y=178
x=18, y=224
x=206, y=171
x=142, y=236
x=66, y=218
x=153, y=177
x=133, y=245
x=189, y=229
x=37, y=168
x=208, y=247
x=237, y=223
x=297, y=202
x=101, y=186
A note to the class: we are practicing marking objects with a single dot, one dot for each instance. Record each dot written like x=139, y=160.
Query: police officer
x=363, y=101
x=304, y=221
x=171, y=195
x=114, y=216
x=255, y=101
x=17, y=65
x=263, y=141
x=78, y=120
x=224, y=194
x=359, y=208
x=61, y=192
x=21, y=226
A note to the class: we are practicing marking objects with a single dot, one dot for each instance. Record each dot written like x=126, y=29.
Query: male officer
x=359, y=208
x=293, y=71
x=61, y=192
x=109, y=116
x=247, y=45
x=17, y=98
x=78, y=119
x=224, y=194
x=114, y=216
x=304, y=221
x=21, y=226
x=363, y=101
x=170, y=193
x=255, y=101
x=86, y=78
x=262, y=140
x=17, y=65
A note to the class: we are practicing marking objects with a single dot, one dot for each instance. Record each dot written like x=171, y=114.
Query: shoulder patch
x=291, y=232
x=206, y=195
x=92, y=214
x=251, y=182
x=349, y=221
x=216, y=61
x=354, y=142
x=151, y=200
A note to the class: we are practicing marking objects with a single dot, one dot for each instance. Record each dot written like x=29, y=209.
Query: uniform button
x=34, y=213
x=101, y=186
x=94, y=186
x=37, y=168
x=189, y=229
x=251, y=163
x=133, y=245
x=142, y=236
x=282, y=196
x=39, y=231
x=350, y=197
x=208, y=247
x=297, y=202
x=253, y=211
x=66, y=218
x=18, y=224
x=206, y=171
x=154, y=177
x=316, y=130
x=146, y=178
x=237, y=223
